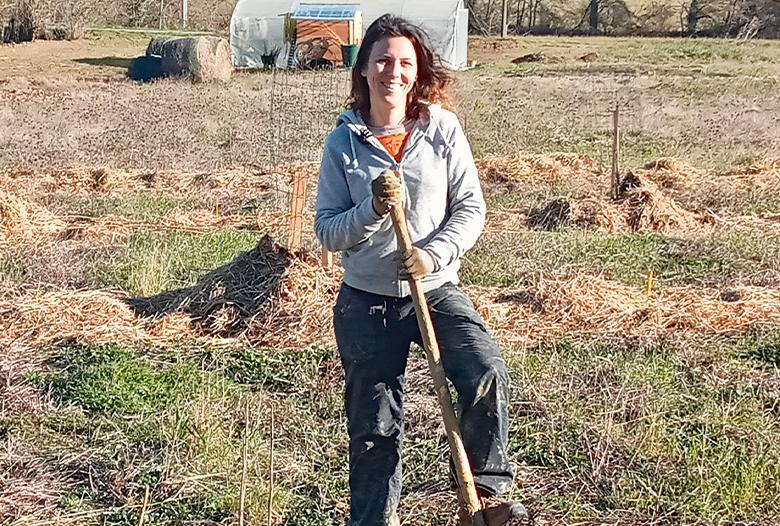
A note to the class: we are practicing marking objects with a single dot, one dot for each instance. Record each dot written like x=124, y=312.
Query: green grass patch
x=112, y=379
x=145, y=205
x=11, y=269
x=149, y=419
x=657, y=426
x=513, y=260
x=275, y=369
x=156, y=261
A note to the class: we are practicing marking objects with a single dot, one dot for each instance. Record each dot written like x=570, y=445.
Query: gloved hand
x=387, y=191
x=415, y=264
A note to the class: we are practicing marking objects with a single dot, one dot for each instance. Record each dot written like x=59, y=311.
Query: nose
x=396, y=68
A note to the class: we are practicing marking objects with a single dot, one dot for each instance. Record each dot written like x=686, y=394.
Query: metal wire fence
x=303, y=110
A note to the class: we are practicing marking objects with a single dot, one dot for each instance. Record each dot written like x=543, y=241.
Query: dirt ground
x=93, y=57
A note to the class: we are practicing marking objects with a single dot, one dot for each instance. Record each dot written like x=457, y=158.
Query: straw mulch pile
x=673, y=173
x=642, y=207
x=761, y=175
x=89, y=180
x=537, y=169
x=589, y=303
x=677, y=175
x=264, y=296
x=667, y=173
x=298, y=313
x=21, y=220
x=502, y=221
x=82, y=315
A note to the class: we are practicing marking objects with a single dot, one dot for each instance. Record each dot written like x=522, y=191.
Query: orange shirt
x=394, y=143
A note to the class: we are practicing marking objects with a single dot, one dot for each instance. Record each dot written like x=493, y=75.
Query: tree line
x=712, y=18
x=26, y=19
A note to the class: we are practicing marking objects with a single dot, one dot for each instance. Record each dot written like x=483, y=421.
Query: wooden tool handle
x=461, y=461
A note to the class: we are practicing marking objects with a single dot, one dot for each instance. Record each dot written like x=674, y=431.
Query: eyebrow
x=387, y=55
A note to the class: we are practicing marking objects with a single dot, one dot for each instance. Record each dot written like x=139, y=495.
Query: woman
x=396, y=121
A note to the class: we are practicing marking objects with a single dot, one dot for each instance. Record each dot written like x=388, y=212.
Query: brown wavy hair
x=433, y=79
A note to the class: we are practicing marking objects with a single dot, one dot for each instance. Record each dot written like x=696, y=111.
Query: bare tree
x=694, y=12
x=594, y=16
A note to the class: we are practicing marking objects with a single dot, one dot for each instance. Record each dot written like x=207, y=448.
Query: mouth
x=394, y=86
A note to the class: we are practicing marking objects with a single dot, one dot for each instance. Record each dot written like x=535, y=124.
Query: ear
x=363, y=72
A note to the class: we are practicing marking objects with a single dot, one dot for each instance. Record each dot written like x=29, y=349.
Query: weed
x=761, y=346
x=514, y=259
x=278, y=369
x=11, y=269
x=647, y=423
x=158, y=261
x=111, y=379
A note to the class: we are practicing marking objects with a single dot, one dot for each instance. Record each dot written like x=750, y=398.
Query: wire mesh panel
x=304, y=107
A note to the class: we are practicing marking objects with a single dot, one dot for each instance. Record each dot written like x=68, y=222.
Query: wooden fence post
x=615, y=154
x=327, y=259
x=297, y=204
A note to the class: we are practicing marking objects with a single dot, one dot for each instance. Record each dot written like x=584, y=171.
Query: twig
x=242, y=491
x=144, y=507
x=271, y=471
x=184, y=480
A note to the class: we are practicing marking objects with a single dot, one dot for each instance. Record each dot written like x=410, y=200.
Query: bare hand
x=387, y=192
x=415, y=264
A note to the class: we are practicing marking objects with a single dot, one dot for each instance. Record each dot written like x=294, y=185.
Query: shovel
x=461, y=461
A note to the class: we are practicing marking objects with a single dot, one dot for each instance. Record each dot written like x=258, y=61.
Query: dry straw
x=299, y=312
x=644, y=205
x=537, y=169
x=96, y=180
x=585, y=303
x=643, y=208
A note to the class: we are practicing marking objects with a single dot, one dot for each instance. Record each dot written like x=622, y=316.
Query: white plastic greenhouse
x=257, y=27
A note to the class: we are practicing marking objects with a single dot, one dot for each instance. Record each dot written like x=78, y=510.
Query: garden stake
x=462, y=468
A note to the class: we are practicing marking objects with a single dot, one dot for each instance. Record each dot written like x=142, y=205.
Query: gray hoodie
x=443, y=201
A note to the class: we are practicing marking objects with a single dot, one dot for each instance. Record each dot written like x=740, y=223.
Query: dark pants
x=373, y=334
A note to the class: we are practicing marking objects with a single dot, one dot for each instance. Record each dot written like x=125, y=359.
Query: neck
x=382, y=115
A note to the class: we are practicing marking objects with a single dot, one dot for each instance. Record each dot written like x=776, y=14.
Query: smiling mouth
x=394, y=86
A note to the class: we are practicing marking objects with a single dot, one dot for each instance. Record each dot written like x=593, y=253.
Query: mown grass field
x=642, y=336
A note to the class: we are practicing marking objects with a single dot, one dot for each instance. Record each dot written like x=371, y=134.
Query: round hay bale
x=200, y=58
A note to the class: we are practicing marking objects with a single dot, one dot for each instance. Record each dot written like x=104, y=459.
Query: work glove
x=415, y=264
x=387, y=191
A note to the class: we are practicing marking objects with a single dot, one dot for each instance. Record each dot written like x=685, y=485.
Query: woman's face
x=391, y=71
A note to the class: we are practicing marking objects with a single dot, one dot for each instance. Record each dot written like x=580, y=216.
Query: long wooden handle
x=462, y=467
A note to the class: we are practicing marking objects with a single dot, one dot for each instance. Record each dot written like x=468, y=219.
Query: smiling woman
x=397, y=145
